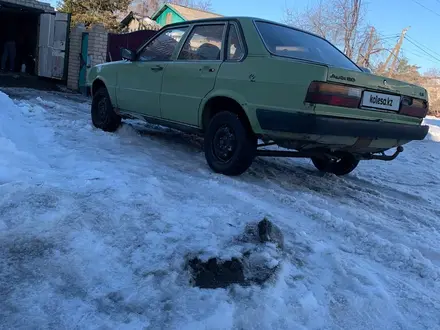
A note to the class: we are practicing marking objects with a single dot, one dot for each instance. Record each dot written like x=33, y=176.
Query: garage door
x=54, y=29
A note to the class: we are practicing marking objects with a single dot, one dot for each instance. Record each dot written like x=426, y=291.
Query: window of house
x=235, y=50
x=162, y=47
x=204, y=44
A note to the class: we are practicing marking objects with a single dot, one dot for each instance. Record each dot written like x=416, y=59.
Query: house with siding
x=171, y=13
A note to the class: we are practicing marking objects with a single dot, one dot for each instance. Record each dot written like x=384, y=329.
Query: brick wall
x=98, y=38
x=74, y=58
x=96, y=51
x=46, y=7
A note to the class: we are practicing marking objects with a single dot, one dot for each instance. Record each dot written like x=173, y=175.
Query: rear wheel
x=229, y=146
x=342, y=164
x=103, y=114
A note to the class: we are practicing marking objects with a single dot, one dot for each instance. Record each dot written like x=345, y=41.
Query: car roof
x=237, y=18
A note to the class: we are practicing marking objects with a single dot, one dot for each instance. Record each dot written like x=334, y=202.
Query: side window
x=235, y=50
x=204, y=44
x=162, y=47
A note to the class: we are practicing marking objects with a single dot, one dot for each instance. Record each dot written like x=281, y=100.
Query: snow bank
x=18, y=138
x=434, y=128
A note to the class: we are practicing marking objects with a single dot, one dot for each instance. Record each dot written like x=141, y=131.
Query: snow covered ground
x=95, y=229
x=434, y=128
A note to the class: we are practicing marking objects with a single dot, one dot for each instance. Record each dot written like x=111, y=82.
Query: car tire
x=343, y=165
x=103, y=114
x=230, y=147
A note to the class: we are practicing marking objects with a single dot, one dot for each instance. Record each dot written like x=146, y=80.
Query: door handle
x=207, y=68
x=157, y=68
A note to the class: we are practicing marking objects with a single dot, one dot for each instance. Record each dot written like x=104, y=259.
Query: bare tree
x=145, y=7
x=347, y=16
x=315, y=19
x=369, y=45
x=432, y=84
x=432, y=73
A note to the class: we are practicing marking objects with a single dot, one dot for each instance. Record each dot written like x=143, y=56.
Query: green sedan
x=247, y=83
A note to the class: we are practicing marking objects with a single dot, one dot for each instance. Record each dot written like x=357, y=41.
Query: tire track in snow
x=388, y=211
x=393, y=255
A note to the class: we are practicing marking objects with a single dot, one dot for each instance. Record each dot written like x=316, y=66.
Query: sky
x=388, y=16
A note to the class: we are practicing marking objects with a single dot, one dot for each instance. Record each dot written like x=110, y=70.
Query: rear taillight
x=333, y=94
x=414, y=107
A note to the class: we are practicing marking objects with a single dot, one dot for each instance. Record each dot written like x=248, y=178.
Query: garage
x=33, y=39
x=18, y=24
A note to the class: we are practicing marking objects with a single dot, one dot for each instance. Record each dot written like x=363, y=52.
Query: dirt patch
x=257, y=266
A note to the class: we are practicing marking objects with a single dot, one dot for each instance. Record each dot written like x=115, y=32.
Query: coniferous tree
x=106, y=12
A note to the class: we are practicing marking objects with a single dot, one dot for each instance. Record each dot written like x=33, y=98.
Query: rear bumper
x=323, y=125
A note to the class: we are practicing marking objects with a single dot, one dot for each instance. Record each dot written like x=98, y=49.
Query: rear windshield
x=288, y=42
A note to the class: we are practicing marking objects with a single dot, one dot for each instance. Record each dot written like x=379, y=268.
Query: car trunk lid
x=375, y=83
x=360, y=95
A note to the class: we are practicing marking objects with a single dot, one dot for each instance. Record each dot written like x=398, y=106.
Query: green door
x=192, y=76
x=140, y=81
x=139, y=86
x=83, y=57
x=184, y=87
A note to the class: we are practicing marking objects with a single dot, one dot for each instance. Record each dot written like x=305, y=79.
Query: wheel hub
x=224, y=143
x=102, y=108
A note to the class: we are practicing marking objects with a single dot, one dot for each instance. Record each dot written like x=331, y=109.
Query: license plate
x=381, y=101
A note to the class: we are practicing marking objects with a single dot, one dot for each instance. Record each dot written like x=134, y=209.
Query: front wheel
x=229, y=147
x=342, y=164
x=103, y=114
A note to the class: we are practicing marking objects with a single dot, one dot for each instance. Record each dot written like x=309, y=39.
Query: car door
x=140, y=81
x=189, y=78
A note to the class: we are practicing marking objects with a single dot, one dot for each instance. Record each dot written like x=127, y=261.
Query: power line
x=391, y=35
x=405, y=51
x=432, y=51
x=419, y=54
x=387, y=38
x=396, y=57
x=430, y=10
x=436, y=58
x=423, y=48
x=389, y=43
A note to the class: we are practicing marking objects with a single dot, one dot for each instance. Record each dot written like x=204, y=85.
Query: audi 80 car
x=247, y=83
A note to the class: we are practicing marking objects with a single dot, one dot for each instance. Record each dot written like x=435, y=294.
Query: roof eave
x=162, y=9
x=158, y=12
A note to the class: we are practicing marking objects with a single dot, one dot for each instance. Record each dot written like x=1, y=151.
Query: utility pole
x=395, y=52
x=397, y=49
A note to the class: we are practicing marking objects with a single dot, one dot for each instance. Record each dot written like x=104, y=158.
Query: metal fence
x=130, y=41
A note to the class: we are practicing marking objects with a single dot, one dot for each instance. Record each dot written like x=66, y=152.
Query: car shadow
x=188, y=142
x=267, y=167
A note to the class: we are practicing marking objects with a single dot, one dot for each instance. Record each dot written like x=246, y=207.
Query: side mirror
x=127, y=54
